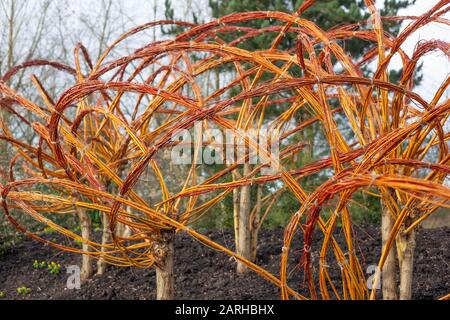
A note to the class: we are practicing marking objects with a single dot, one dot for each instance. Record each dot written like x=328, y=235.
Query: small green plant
x=49, y=230
x=39, y=265
x=23, y=291
x=54, y=268
x=2, y=294
x=78, y=243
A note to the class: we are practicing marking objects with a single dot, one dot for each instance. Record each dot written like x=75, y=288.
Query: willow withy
x=102, y=144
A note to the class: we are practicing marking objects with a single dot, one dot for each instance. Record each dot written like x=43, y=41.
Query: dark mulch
x=202, y=273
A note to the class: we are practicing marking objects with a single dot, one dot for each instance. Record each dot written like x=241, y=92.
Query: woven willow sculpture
x=101, y=145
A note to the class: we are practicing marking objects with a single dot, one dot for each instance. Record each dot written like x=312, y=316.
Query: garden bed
x=202, y=273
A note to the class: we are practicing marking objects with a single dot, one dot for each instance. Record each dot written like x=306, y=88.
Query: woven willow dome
x=102, y=143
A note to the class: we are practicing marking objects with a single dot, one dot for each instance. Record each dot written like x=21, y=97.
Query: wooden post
x=388, y=279
x=406, y=244
x=85, y=226
x=244, y=243
x=106, y=237
x=164, y=269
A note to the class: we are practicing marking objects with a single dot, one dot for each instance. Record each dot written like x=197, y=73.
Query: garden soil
x=203, y=273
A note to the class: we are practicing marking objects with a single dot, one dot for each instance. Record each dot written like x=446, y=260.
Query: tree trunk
x=85, y=225
x=106, y=237
x=255, y=223
x=244, y=243
x=3, y=162
x=4, y=155
x=406, y=244
x=164, y=268
x=122, y=230
x=388, y=279
x=236, y=210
